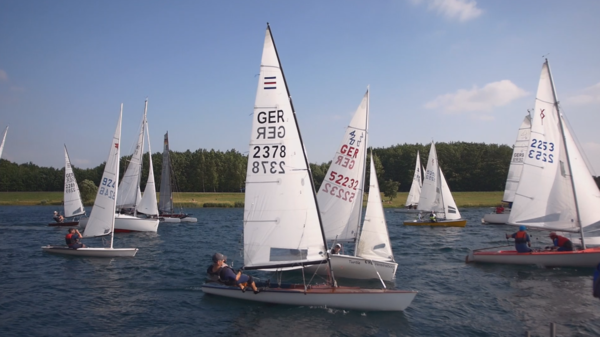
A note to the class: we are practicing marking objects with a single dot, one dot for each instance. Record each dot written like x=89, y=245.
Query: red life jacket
x=521, y=237
x=561, y=241
x=68, y=239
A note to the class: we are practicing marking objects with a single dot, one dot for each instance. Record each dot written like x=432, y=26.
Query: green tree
x=88, y=190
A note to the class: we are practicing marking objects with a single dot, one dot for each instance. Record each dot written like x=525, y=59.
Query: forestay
x=281, y=223
x=415, y=188
x=129, y=189
x=340, y=196
x=555, y=179
x=516, y=163
x=102, y=219
x=374, y=243
x=148, y=203
x=72, y=198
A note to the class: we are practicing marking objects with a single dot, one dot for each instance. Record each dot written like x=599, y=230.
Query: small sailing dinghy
x=282, y=226
x=415, y=190
x=3, y=140
x=165, y=202
x=514, y=173
x=137, y=213
x=437, y=198
x=73, y=206
x=556, y=191
x=102, y=219
x=340, y=201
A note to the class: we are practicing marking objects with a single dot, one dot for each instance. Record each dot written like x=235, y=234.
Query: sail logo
x=542, y=115
x=270, y=82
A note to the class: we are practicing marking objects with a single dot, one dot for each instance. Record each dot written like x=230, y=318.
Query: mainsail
x=341, y=194
x=516, y=163
x=556, y=190
x=148, y=203
x=415, y=188
x=129, y=189
x=72, y=198
x=102, y=218
x=2, y=143
x=374, y=242
x=281, y=221
x=166, y=193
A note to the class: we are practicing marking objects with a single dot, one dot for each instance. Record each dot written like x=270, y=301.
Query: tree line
x=466, y=166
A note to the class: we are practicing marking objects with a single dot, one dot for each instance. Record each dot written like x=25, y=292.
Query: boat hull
x=91, y=252
x=494, y=218
x=127, y=223
x=439, y=223
x=581, y=258
x=355, y=267
x=170, y=220
x=407, y=210
x=64, y=224
x=177, y=216
x=342, y=297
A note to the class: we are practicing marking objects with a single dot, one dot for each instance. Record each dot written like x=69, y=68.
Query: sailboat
x=73, y=206
x=3, y=139
x=165, y=205
x=340, y=201
x=436, y=197
x=514, y=173
x=415, y=190
x=102, y=219
x=282, y=225
x=556, y=191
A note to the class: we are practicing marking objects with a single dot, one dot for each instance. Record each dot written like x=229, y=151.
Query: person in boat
x=420, y=216
x=72, y=239
x=561, y=243
x=219, y=271
x=499, y=209
x=336, y=249
x=522, y=241
x=58, y=217
x=432, y=217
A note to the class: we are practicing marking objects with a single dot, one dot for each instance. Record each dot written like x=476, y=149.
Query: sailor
x=420, y=216
x=522, y=241
x=336, y=249
x=561, y=243
x=499, y=209
x=432, y=217
x=72, y=239
x=221, y=272
x=58, y=217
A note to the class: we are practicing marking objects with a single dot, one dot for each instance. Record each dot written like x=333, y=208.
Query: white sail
x=341, y=194
x=72, y=198
x=281, y=220
x=2, y=143
x=415, y=188
x=374, y=243
x=129, y=189
x=545, y=197
x=435, y=194
x=516, y=163
x=148, y=203
x=102, y=219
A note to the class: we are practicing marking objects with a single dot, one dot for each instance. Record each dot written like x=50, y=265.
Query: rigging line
x=380, y=279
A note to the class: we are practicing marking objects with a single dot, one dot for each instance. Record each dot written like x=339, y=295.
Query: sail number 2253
x=542, y=149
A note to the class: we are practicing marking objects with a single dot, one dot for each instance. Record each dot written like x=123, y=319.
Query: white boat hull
x=170, y=220
x=494, y=218
x=91, y=252
x=189, y=219
x=580, y=258
x=127, y=223
x=354, y=267
x=325, y=296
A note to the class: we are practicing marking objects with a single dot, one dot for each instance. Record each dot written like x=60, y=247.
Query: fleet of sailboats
x=102, y=219
x=165, y=206
x=556, y=191
x=282, y=224
x=436, y=198
x=72, y=204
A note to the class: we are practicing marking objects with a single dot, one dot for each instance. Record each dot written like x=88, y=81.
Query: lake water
x=158, y=292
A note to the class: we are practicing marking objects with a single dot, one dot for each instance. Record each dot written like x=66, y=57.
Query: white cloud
x=484, y=99
x=461, y=10
x=3, y=75
x=590, y=95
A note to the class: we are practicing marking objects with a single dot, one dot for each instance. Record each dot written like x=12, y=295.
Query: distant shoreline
x=210, y=199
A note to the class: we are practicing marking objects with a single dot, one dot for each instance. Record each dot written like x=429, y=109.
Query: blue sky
x=453, y=70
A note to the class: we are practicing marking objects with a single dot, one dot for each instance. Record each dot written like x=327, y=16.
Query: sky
x=442, y=70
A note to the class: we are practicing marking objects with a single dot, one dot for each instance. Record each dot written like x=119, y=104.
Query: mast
x=312, y=183
x=562, y=131
x=362, y=194
x=112, y=229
